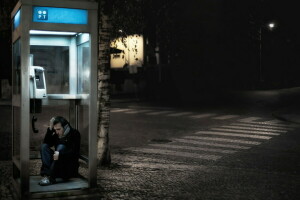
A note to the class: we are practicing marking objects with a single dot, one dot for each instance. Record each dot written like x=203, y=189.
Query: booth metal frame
x=22, y=100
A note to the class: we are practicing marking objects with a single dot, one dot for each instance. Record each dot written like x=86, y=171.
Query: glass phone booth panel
x=65, y=57
x=16, y=107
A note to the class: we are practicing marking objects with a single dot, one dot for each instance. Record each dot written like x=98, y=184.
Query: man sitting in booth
x=62, y=161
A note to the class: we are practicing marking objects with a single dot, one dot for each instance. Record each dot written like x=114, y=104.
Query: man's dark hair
x=61, y=120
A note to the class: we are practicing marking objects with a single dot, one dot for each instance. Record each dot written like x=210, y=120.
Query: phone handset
x=51, y=127
x=33, y=120
x=67, y=129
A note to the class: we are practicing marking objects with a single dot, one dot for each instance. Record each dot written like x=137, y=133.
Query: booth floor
x=71, y=184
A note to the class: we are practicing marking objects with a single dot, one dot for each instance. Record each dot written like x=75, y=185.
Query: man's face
x=59, y=130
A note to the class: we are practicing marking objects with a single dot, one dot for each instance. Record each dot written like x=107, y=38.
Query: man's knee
x=45, y=147
x=60, y=147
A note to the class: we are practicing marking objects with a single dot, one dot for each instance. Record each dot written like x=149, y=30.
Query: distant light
x=271, y=25
x=36, y=32
x=120, y=31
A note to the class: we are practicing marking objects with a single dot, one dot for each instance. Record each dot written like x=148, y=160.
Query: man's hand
x=51, y=123
x=55, y=155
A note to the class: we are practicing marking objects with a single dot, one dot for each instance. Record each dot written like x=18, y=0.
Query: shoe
x=47, y=180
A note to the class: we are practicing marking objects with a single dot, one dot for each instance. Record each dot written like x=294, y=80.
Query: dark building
x=210, y=45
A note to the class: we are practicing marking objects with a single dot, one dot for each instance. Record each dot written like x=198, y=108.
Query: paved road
x=168, y=153
x=137, y=124
x=196, y=153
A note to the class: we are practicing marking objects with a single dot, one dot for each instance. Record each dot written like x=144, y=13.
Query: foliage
x=125, y=15
x=130, y=17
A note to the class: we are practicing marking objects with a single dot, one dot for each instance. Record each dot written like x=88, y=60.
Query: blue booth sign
x=59, y=15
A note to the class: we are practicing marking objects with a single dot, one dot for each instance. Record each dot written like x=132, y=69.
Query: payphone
x=37, y=83
x=38, y=91
x=54, y=72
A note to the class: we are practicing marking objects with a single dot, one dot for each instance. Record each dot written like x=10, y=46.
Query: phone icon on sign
x=42, y=14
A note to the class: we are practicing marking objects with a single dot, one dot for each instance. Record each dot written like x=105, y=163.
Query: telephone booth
x=54, y=73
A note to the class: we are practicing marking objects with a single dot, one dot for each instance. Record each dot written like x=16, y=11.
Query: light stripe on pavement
x=179, y=114
x=154, y=163
x=120, y=110
x=273, y=124
x=274, y=121
x=173, y=146
x=140, y=158
x=178, y=153
x=262, y=126
x=255, y=129
x=181, y=167
x=138, y=111
x=249, y=119
x=223, y=117
x=218, y=139
x=159, y=112
x=202, y=115
x=210, y=144
x=245, y=131
x=289, y=126
x=234, y=135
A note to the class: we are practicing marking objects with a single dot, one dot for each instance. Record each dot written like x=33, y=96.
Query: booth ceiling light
x=36, y=32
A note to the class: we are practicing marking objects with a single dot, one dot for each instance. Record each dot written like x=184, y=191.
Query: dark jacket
x=68, y=159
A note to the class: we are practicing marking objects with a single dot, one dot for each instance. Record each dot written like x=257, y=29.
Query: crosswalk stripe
x=139, y=158
x=274, y=121
x=223, y=140
x=245, y=131
x=203, y=115
x=180, y=167
x=211, y=144
x=177, y=153
x=249, y=119
x=152, y=162
x=173, y=146
x=222, y=117
x=137, y=111
x=262, y=126
x=234, y=135
x=159, y=112
x=120, y=110
x=255, y=129
x=179, y=114
x=273, y=125
x=151, y=107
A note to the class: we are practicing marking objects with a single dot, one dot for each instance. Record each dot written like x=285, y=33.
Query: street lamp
x=269, y=26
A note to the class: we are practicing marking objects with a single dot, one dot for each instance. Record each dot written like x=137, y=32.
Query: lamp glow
x=37, y=32
x=271, y=25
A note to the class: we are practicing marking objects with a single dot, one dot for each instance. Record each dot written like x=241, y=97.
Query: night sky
x=216, y=43
x=219, y=42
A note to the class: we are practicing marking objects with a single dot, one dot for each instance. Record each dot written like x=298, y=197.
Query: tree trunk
x=103, y=102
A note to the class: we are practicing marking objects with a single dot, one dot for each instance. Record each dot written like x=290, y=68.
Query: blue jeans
x=50, y=167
